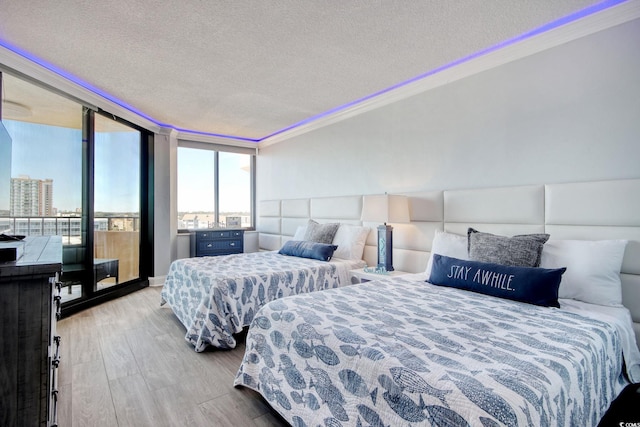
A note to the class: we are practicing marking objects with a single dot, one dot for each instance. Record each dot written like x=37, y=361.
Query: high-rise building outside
x=45, y=194
x=31, y=197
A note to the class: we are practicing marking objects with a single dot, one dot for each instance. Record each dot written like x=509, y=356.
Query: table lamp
x=385, y=208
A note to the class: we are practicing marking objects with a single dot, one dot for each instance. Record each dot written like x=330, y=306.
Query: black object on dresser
x=217, y=242
x=29, y=355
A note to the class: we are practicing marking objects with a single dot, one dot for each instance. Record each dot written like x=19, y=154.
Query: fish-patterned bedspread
x=214, y=297
x=401, y=353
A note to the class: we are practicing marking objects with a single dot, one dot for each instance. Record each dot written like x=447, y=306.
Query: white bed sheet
x=621, y=318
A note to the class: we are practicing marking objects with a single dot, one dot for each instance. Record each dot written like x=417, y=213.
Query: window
x=42, y=171
x=196, y=188
x=234, y=176
x=215, y=188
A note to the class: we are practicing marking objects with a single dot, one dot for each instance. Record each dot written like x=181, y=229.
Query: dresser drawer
x=219, y=245
x=30, y=294
x=217, y=242
x=213, y=235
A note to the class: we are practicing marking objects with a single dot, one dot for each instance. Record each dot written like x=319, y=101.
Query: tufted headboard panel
x=279, y=219
x=598, y=211
x=583, y=211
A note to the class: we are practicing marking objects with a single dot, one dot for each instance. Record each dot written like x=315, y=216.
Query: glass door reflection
x=41, y=172
x=116, y=235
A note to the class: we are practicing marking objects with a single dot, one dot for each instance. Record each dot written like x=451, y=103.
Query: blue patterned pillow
x=306, y=249
x=533, y=285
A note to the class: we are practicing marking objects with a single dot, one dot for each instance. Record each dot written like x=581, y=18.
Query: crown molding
x=217, y=140
x=37, y=74
x=31, y=70
x=591, y=24
x=168, y=131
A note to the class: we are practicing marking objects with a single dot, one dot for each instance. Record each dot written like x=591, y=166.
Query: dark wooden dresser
x=29, y=355
x=217, y=242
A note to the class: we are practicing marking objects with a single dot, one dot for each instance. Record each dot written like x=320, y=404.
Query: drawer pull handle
x=209, y=245
x=232, y=244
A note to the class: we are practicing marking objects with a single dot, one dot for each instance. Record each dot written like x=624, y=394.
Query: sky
x=51, y=152
x=196, y=181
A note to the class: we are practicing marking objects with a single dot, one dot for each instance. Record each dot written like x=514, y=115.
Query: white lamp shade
x=385, y=208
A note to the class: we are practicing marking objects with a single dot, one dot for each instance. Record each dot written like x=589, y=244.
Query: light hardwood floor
x=126, y=363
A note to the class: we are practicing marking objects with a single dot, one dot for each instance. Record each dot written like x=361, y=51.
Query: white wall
x=571, y=113
x=165, y=241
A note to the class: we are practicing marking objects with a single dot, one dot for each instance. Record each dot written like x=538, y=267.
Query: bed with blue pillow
x=496, y=333
x=216, y=297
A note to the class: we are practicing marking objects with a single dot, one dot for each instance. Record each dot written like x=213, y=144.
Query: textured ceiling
x=250, y=68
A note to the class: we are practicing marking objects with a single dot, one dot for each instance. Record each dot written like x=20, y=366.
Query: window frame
x=217, y=148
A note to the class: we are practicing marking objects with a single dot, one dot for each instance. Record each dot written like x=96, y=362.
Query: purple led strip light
x=542, y=29
x=109, y=97
x=554, y=24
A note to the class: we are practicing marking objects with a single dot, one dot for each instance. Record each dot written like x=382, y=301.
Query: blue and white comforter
x=214, y=297
x=400, y=352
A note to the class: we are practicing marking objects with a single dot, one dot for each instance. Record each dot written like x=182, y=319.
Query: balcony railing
x=68, y=227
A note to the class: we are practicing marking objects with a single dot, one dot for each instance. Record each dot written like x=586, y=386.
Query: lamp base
x=385, y=247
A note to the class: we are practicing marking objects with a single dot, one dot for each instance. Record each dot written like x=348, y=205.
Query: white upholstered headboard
x=278, y=219
x=587, y=211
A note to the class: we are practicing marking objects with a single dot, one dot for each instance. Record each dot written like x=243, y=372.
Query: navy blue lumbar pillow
x=533, y=285
x=307, y=249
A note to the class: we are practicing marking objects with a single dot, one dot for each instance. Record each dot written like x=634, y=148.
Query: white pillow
x=300, y=232
x=593, y=269
x=350, y=240
x=447, y=244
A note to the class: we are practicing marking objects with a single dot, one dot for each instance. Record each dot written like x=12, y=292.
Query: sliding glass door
x=116, y=207
x=68, y=170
